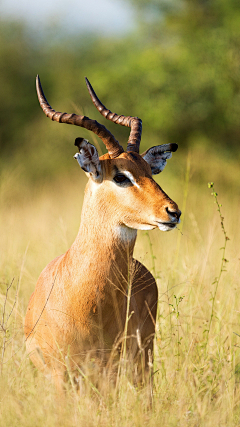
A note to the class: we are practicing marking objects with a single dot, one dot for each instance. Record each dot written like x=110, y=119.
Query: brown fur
x=78, y=308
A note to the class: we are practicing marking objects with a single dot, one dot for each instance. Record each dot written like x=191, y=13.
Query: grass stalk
x=224, y=261
x=4, y=326
x=123, y=356
x=183, y=209
x=153, y=258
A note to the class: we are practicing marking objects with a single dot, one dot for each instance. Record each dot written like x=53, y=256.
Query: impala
x=82, y=299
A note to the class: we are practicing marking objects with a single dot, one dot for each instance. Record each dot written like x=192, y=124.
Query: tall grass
x=194, y=384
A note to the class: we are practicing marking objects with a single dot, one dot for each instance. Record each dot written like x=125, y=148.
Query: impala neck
x=103, y=243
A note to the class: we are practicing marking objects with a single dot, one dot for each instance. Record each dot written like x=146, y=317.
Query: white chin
x=165, y=227
x=145, y=227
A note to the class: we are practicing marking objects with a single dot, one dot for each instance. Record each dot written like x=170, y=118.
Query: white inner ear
x=88, y=160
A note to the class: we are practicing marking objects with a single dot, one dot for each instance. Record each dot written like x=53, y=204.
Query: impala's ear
x=157, y=156
x=88, y=159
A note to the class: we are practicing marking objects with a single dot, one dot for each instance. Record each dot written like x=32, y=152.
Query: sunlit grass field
x=197, y=358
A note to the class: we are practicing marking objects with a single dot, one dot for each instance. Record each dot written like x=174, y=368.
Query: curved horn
x=133, y=122
x=112, y=145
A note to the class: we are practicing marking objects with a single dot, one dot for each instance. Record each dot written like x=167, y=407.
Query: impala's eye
x=120, y=178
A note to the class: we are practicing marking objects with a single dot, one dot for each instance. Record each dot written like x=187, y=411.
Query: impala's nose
x=174, y=213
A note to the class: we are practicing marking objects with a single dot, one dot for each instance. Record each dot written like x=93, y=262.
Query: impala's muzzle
x=173, y=219
x=174, y=214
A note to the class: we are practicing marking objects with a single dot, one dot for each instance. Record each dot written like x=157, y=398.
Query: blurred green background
x=178, y=69
x=176, y=65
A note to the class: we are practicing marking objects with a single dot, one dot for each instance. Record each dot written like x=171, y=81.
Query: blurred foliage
x=179, y=71
x=199, y=42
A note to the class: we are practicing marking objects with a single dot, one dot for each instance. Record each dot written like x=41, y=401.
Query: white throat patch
x=126, y=234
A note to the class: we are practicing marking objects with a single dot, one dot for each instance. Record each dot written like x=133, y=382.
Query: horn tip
x=38, y=82
x=87, y=81
x=89, y=87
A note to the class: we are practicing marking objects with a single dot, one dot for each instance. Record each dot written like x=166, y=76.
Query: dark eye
x=120, y=178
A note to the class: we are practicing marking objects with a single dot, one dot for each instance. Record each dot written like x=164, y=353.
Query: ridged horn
x=133, y=122
x=112, y=145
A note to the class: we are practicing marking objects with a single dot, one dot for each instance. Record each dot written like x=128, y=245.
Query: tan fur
x=78, y=308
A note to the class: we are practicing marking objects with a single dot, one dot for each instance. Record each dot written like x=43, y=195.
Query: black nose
x=176, y=213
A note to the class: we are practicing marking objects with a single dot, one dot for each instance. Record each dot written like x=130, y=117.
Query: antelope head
x=124, y=178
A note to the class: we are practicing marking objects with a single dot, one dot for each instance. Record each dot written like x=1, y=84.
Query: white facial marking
x=130, y=176
x=165, y=227
x=145, y=227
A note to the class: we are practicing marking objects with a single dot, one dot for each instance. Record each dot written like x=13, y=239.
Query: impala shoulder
x=50, y=273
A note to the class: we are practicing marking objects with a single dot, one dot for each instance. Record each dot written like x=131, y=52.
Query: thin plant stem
x=223, y=260
x=152, y=254
x=175, y=308
x=183, y=209
x=4, y=323
x=127, y=315
x=123, y=355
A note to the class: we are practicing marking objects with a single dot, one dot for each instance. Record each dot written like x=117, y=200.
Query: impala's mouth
x=167, y=226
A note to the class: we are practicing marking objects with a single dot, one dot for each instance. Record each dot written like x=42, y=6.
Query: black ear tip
x=78, y=141
x=174, y=147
